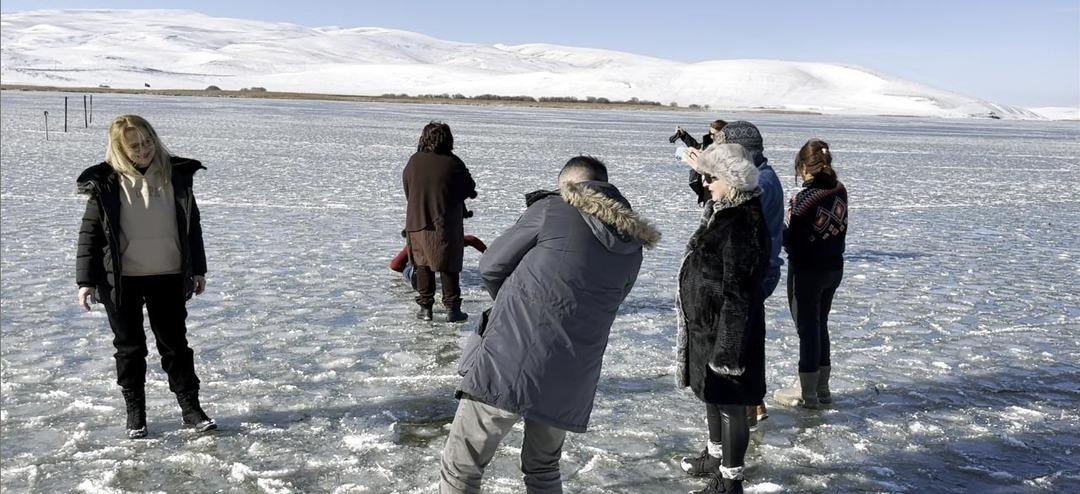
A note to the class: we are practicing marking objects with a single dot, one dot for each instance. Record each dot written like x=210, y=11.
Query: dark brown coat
x=436, y=186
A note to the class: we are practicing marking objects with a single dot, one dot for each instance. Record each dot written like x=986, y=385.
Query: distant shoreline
x=580, y=105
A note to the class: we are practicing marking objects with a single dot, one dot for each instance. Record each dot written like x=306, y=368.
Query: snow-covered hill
x=1058, y=112
x=188, y=50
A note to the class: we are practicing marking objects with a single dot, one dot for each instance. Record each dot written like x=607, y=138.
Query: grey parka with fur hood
x=558, y=277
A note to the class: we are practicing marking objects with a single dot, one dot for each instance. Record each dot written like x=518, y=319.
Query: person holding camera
x=695, y=178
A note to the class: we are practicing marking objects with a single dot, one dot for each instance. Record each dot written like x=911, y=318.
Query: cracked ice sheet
x=954, y=333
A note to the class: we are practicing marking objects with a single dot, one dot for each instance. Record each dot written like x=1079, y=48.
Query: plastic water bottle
x=680, y=153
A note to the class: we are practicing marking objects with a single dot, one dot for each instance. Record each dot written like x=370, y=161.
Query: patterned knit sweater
x=816, y=224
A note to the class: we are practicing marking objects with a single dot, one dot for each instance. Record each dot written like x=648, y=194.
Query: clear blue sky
x=1020, y=52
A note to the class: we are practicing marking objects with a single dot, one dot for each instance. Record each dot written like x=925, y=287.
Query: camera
x=678, y=135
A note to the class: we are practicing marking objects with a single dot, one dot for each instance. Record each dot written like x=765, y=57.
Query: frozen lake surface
x=955, y=333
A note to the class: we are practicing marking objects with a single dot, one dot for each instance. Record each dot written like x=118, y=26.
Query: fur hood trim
x=611, y=211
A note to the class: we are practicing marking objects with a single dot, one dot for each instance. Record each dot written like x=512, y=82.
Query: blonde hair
x=116, y=153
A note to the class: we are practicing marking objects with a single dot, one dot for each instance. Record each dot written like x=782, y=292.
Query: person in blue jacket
x=772, y=204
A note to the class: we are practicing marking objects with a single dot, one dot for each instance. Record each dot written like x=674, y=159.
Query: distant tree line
x=252, y=89
x=543, y=99
x=497, y=97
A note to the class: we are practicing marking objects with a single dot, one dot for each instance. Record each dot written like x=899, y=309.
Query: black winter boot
x=700, y=465
x=424, y=314
x=135, y=402
x=193, y=414
x=718, y=484
x=454, y=314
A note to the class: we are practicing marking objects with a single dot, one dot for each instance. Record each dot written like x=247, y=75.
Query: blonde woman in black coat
x=721, y=341
x=141, y=244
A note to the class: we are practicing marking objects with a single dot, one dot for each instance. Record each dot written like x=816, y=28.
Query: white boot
x=801, y=393
x=823, y=395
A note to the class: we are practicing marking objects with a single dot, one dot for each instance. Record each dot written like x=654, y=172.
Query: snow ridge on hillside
x=187, y=50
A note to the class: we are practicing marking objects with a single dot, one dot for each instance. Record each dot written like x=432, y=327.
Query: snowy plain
x=955, y=333
x=1058, y=112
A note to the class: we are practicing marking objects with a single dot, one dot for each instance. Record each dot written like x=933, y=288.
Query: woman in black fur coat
x=721, y=341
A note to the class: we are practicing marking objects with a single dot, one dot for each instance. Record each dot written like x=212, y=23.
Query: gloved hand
x=678, y=134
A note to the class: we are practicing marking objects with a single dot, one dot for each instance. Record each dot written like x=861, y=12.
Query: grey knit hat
x=743, y=133
x=731, y=164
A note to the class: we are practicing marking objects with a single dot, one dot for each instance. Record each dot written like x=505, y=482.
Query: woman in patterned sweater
x=814, y=234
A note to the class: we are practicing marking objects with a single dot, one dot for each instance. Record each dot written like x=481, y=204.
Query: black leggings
x=810, y=296
x=727, y=425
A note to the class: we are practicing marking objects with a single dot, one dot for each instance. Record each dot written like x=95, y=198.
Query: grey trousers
x=475, y=435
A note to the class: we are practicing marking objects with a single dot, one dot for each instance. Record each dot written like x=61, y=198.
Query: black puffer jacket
x=97, y=262
x=720, y=351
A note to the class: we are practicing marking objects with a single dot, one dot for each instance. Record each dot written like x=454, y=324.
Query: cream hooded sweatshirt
x=149, y=241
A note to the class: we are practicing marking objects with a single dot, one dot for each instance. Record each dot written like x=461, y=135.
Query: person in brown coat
x=436, y=185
